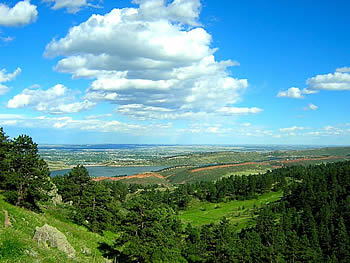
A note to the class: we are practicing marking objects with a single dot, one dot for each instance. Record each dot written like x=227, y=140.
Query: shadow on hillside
x=108, y=251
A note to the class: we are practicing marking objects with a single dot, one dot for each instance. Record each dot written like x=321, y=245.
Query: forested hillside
x=310, y=223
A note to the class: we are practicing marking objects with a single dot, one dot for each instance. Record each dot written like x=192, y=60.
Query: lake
x=97, y=171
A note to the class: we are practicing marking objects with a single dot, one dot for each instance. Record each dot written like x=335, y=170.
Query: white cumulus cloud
x=308, y=92
x=21, y=14
x=339, y=80
x=6, y=77
x=3, y=89
x=237, y=110
x=292, y=129
x=72, y=6
x=343, y=70
x=311, y=107
x=156, y=56
x=55, y=100
x=292, y=92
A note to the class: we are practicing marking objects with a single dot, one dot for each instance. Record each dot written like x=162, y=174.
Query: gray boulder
x=49, y=236
x=55, y=198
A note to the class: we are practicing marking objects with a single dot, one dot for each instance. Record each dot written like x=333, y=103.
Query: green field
x=57, y=165
x=184, y=175
x=327, y=151
x=182, y=164
x=238, y=212
x=315, y=162
x=17, y=244
x=198, y=159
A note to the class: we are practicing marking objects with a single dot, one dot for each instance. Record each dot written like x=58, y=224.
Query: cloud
x=141, y=112
x=10, y=119
x=308, y=92
x=7, y=39
x=343, y=70
x=292, y=129
x=246, y=124
x=11, y=116
x=328, y=130
x=183, y=11
x=311, y=107
x=96, y=117
x=6, y=77
x=156, y=56
x=95, y=125
x=3, y=89
x=72, y=6
x=314, y=133
x=239, y=111
x=72, y=107
x=295, y=93
x=55, y=100
x=292, y=92
x=21, y=14
x=339, y=80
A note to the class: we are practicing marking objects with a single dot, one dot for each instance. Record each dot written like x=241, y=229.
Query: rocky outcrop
x=49, y=236
x=7, y=221
x=55, y=198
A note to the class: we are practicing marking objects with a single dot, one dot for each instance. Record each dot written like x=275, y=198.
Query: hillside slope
x=17, y=244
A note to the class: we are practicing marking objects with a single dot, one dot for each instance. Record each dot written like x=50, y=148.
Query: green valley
x=278, y=206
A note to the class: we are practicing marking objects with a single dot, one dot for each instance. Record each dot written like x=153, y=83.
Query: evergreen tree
x=342, y=242
x=28, y=178
x=4, y=147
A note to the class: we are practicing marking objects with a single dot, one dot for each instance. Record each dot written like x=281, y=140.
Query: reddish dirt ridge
x=137, y=176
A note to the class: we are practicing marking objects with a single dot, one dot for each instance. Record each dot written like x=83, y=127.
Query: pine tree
x=4, y=145
x=342, y=242
x=28, y=179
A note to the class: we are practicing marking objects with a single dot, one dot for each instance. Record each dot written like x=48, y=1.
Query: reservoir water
x=97, y=171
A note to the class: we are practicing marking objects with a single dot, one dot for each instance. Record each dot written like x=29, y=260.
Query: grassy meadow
x=238, y=212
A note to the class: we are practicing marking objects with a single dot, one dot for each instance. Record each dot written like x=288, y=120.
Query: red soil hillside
x=138, y=176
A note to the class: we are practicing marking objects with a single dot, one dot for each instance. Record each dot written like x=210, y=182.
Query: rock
x=7, y=221
x=50, y=236
x=55, y=198
x=84, y=250
x=31, y=252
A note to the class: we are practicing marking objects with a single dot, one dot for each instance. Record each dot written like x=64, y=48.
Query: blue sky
x=179, y=72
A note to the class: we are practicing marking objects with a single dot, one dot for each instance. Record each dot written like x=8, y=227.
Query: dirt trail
x=137, y=176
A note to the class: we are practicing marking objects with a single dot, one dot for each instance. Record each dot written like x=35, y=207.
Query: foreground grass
x=17, y=245
x=238, y=212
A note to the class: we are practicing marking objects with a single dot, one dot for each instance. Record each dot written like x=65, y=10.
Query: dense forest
x=309, y=224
